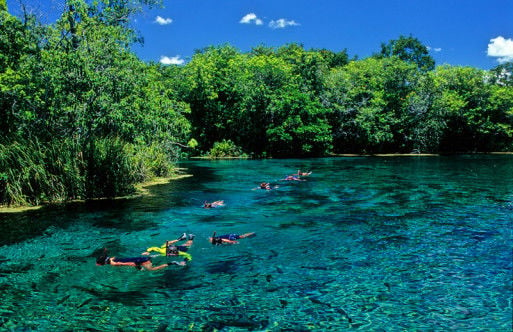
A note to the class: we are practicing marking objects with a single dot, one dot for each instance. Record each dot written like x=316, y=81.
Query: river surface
x=365, y=243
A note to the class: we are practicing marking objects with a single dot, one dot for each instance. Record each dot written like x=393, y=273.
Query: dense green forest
x=82, y=117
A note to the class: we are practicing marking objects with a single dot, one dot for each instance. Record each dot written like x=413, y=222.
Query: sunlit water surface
x=383, y=244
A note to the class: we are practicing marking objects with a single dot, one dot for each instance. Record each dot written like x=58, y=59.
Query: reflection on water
x=365, y=243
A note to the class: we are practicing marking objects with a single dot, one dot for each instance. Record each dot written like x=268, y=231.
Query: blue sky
x=477, y=33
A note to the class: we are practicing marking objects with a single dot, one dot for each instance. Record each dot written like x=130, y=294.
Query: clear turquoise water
x=380, y=244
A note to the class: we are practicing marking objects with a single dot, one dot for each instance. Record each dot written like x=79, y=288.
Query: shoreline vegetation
x=141, y=189
x=371, y=155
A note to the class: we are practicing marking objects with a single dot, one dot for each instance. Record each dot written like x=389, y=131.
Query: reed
x=110, y=171
x=34, y=172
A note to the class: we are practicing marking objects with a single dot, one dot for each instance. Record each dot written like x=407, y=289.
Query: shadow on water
x=226, y=266
x=112, y=294
x=126, y=214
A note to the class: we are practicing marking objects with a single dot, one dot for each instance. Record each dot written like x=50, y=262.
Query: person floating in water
x=208, y=205
x=265, y=186
x=229, y=238
x=137, y=262
x=299, y=173
x=170, y=249
x=292, y=178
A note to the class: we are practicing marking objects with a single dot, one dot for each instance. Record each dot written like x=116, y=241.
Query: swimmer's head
x=216, y=240
x=102, y=260
x=172, y=250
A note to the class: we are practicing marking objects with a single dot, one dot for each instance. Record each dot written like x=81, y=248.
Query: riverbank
x=141, y=189
x=417, y=154
x=372, y=155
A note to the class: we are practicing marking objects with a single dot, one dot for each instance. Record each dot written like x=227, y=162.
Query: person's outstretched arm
x=149, y=266
x=183, y=263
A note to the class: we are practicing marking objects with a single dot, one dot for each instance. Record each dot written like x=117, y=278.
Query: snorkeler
x=170, y=249
x=299, y=173
x=137, y=262
x=208, y=205
x=292, y=178
x=265, y=186
x=229, y=238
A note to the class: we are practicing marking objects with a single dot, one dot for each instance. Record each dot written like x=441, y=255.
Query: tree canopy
x=409, y=49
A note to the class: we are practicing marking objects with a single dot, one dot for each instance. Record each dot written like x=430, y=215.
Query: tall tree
x=334, y=59
x=424, y=124
x=20, y=48
x=409, y=49
x=211, y=95
x=310, y=66
x=368, y=99
x=463, y=97
x=298, y=125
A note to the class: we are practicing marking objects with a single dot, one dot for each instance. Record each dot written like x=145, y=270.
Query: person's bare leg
x=189, y=240
x=247, y=235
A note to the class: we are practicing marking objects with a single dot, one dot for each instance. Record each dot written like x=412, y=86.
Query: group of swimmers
x=170, y=247
x=293, y=177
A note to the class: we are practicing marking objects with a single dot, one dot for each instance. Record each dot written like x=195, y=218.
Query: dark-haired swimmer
x=265, y=186
x=229, y=238
x=137, y=262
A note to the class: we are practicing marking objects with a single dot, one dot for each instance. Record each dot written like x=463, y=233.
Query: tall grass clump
x=110, y=170
x=32, y=172
x=65, y=160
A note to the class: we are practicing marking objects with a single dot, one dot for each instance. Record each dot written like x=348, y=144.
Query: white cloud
x=434, y=49
x=251, y=18
x=282, y=23
x=501, y=48
x=163, y=21
x=175, y=60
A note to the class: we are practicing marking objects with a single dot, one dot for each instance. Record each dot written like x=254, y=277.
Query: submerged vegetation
x=82, y=117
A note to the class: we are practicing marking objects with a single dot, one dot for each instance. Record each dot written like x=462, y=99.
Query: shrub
x=151, y=161
x=226, y=148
